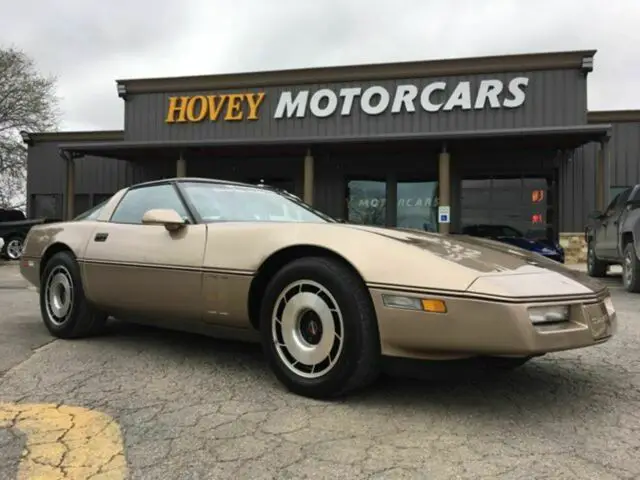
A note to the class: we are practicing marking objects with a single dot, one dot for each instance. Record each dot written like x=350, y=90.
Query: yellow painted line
x=65, y=442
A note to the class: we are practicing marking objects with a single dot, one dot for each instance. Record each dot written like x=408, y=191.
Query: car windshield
x=219, y=202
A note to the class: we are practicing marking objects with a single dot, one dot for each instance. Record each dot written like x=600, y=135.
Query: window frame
x=187, y=207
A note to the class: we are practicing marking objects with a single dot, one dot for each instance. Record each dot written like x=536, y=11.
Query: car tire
x=64, y=308
x=316, y=311
x=12, y=249
x=595, y=268
x=630, y=269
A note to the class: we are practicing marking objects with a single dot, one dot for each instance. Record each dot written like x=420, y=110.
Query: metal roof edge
x=373, y=71
x=613, y=116
x=72, y=136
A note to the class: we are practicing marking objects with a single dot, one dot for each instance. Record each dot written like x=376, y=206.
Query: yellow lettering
x=215, y=107
x=234, y=107
x=197, y=104
x=180, y=109
x=254, y=100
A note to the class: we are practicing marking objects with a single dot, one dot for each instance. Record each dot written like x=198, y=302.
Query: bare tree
x=27, y=102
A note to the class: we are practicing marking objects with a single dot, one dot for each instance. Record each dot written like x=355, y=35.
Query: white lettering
x=488, y=90
x=461, y=97
x=376, y=99
x=425, y=99
x=287, y=105
x=381, y=106
x=516, y=88
x=405, y=95
x=331, y=103
x=349, y=94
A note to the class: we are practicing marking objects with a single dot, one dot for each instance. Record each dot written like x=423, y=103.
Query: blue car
x=507, y=234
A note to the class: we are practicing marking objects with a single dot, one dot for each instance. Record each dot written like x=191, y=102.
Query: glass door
x=417, y=205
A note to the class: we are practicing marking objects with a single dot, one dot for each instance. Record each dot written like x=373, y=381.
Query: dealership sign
x=434, y=97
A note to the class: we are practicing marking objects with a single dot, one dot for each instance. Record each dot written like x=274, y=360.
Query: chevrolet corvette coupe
x=328, y=300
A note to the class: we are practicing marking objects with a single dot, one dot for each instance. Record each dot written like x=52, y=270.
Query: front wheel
x=319, y=329
x=63, y=306
x=595, y=267
x=13, y=247
x=631, y=269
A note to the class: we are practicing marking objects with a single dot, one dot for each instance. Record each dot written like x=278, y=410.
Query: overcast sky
x=90, y=44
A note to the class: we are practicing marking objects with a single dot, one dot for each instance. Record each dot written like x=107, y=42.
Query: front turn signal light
x=434, y=306
x=431, y=305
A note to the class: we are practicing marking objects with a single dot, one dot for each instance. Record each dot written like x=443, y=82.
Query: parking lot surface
x=142, y=403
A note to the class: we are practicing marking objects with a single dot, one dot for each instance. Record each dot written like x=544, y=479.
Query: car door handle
x=101, y=237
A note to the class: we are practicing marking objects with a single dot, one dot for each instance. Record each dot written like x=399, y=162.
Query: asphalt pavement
x=142, y=403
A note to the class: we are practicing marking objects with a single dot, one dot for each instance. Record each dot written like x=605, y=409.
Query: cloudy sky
x=89, y=44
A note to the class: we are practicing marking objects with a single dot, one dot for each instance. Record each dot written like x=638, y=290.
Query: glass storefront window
x=418, y=205
x=521, y=203
x=367, y=202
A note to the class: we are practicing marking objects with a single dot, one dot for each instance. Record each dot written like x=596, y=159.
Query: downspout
x=69, y=190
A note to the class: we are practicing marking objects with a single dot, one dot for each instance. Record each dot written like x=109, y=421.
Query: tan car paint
x=204, y=272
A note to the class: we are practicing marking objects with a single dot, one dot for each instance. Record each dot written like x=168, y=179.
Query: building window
x=367, y=202
x=81, y=203
x=614, y=191
x=417, y=205
x=46, y=206
x=98, y=198
x=521, y=203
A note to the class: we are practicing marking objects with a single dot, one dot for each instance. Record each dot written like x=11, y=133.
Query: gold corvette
x=328, y=300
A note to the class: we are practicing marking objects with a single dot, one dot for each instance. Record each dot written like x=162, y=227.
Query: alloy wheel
x=59, y=295
x=14, y=249
x=307, y=329
x=627, y=269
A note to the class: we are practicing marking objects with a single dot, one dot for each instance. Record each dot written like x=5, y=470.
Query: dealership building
x=433, y=145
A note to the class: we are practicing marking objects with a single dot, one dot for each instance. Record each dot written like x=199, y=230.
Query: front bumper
x=473, y=327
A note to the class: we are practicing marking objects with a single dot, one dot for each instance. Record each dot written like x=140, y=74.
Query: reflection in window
x=366, y=202
x=521, y=203
x=136, y=202
x=417, y=205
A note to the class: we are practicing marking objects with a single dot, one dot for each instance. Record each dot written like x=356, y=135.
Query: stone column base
x=575, y=247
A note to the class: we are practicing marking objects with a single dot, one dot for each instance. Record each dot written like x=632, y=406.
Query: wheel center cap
x=311, y=327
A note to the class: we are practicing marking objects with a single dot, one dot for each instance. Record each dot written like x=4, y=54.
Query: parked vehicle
x=329, y=301
x=512, y=236
x=14, y=227
x=613, y=238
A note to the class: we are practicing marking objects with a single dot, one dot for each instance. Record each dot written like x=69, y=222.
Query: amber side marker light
x=431, y=305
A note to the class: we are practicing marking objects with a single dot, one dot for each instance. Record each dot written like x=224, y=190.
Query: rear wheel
x=595, y=267
x=319, y=330
x=631, y=269
x=63, y=306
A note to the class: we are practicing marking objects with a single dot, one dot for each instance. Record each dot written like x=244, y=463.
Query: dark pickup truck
x=14, y=227
x=613, y=238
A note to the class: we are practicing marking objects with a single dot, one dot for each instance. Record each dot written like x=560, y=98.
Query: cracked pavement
x=142, y=403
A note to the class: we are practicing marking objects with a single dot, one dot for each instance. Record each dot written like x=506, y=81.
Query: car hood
x=498, y=268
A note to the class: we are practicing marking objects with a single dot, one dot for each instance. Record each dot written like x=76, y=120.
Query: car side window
x=612, y=206
x=139, y=200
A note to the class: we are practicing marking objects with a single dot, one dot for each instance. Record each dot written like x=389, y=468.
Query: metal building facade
x=555, y=87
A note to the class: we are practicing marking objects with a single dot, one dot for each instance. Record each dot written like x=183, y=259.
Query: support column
x=181, y=166
x=70, y=190
x=444, y=187
x=601, y=175
x=308, y=178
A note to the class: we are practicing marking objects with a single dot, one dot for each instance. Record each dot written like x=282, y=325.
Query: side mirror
x=171, y=220
x=596, y=215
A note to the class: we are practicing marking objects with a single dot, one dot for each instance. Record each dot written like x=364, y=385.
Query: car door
x=602, y=227
x=147, y=269
x=611, y=223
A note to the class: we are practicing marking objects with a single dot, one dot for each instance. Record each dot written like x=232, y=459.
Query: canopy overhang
x=562, y=137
